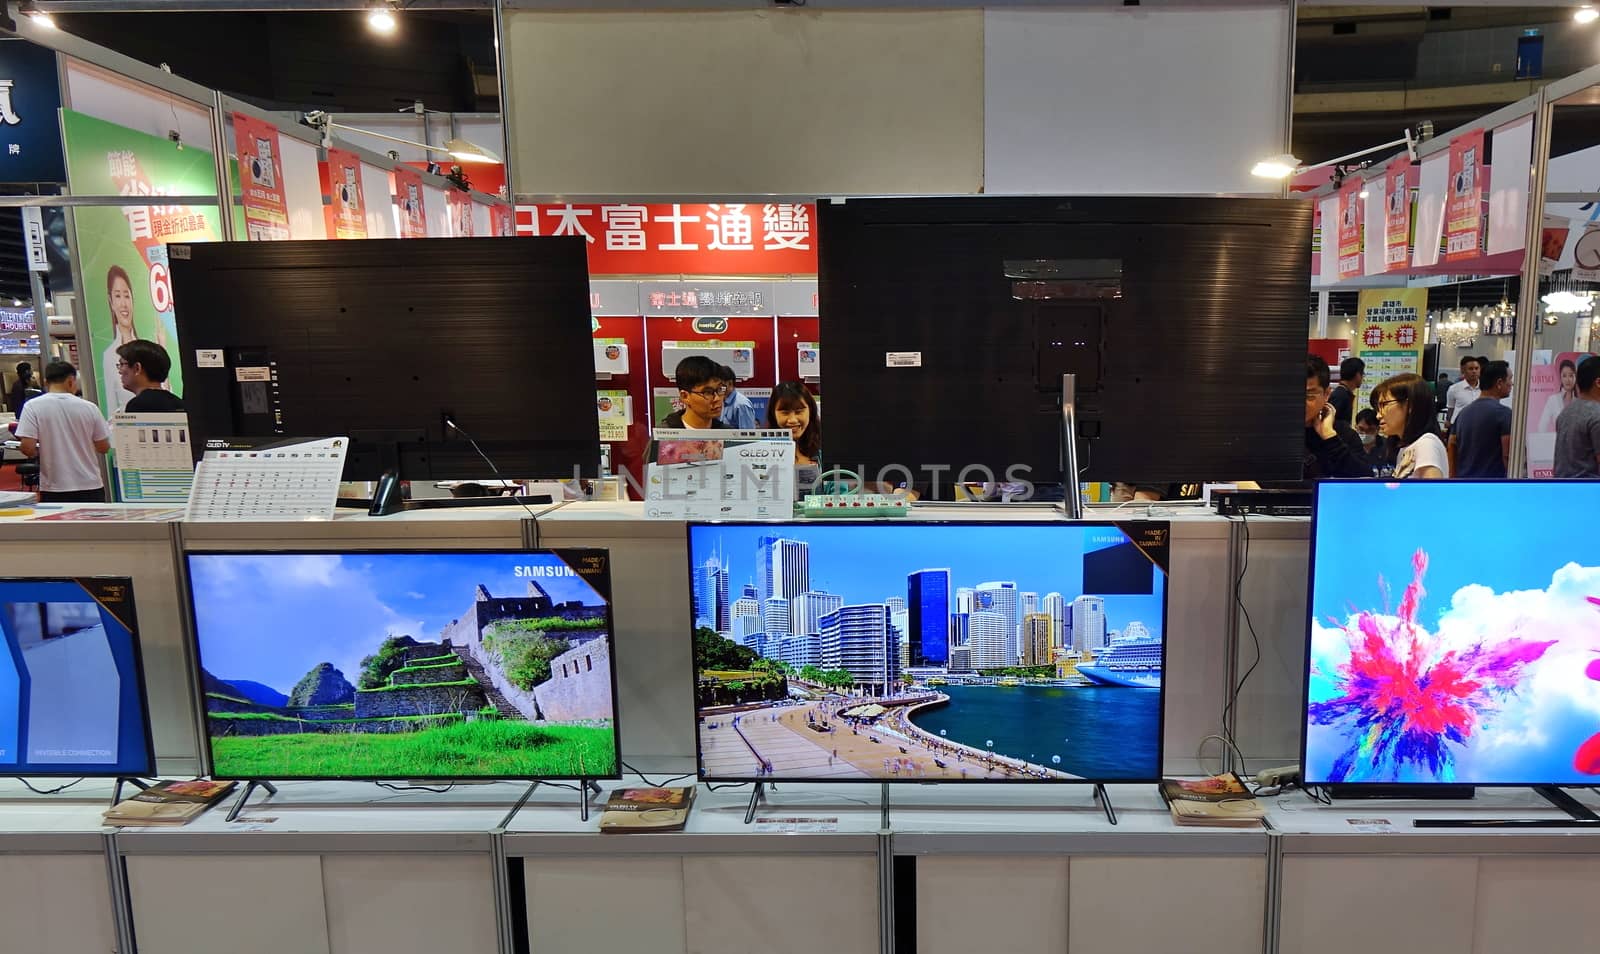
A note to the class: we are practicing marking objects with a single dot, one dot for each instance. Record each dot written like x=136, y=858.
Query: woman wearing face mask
x=1405, y=414
x=1558, y=401
x=792, y=408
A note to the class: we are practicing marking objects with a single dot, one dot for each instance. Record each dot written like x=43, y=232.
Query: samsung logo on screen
x=546, y=571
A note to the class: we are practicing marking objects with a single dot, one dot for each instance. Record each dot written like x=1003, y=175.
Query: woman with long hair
x=1558, y=401
x=119, y=295
x=792, y=408
x=1406, y=416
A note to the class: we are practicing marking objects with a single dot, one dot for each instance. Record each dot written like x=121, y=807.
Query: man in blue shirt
x=1480, y=439
x=737, y=410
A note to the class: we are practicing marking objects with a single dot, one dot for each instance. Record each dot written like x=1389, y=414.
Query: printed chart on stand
x=267, y=479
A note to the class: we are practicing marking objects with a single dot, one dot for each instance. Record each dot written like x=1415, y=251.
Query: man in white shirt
x=1464, y=391
x=68, y=435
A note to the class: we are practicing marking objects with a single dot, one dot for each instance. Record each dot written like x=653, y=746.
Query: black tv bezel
x=1119, y=525
x=1399, y=788
x=149, y=766
x=197, y=664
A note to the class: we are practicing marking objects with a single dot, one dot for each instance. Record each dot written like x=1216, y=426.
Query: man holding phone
x=1333, y=448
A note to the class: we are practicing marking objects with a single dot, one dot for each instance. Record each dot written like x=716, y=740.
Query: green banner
x=127, y=291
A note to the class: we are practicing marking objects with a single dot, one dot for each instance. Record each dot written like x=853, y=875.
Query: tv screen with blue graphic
x=1454, y=634
x=71, y=689
x=406, y=665
x=929, y=652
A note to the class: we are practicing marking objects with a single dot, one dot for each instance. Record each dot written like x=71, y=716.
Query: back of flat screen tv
x=948, y=323
x=382, y=340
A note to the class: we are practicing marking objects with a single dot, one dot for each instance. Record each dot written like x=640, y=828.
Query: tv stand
x=116, y=792
x=1582, y=816
x=1345, y=790
x=244, y=796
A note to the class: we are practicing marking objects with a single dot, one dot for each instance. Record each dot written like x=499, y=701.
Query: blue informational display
x=71, y=690
x=929, y=652
x=1454, y=634
x=30, y=124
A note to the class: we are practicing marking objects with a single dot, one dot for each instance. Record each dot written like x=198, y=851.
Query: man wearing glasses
x=143, y=367
x=702, y=389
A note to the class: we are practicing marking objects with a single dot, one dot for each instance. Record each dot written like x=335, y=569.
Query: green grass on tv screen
x=482, y=749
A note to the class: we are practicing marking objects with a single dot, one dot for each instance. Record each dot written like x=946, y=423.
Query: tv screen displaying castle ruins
x=414, y=665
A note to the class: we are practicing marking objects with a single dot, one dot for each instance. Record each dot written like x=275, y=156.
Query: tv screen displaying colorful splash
x=1454, y=634
x=929, y=652
x=72, y=696
x=406, y=665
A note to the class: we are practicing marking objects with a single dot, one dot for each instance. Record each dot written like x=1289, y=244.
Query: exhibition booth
x=942, y=730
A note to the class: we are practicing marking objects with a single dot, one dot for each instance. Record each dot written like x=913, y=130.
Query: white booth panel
x=1134, y=100
x=1404, y=905
x=380, y=202
x=302, y=188
x=1548, y=899
x=964, y=900
x=261, y=904
x=438, y=212
x=739, y=904
x=55, y=904
x=482, y=224
x=782, y=101
x=130, y=103
x=1110, y=911
x=580, y=905
x=373, y=903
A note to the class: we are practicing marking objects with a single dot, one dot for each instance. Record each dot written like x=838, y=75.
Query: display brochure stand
x=116, y=791
x=244, y=796
x=1582, y=815
x=1072, y=489
x=586, y=787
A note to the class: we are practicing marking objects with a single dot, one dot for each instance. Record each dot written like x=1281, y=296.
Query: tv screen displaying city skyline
x=406, y=665
x=919, y=651
x=1451, y=651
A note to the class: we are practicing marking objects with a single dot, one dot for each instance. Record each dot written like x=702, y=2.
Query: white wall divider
x=435, y=202
x=376, y=192
x=1329, y=273
x=482, y=222
x=1430, y=209
x=1134, y=100
x=1376, y=226
x=302, y=188
x=1512, y=153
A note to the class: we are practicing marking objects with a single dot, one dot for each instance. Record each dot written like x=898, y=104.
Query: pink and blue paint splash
x=1587, y=758
x=1405, y=705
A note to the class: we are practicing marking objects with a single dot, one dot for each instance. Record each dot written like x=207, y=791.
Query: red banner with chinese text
x=1350, y=228
x=460, y=208
x=1463, y=213
x=266, y=211
x=345, y=206
x=1396, y=216
x=665, y=239
x=408, y=198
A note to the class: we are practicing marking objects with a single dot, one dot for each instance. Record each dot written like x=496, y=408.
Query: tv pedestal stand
x=1072, y=489
x=1101, y=796
x=116, y=792
x=1582, y=815
x=758, y=797
x=244, y=796
x=586, y=787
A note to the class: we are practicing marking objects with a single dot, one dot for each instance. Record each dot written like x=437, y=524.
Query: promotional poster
x=123, y=251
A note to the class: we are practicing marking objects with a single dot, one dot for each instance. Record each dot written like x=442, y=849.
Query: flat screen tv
x=1454, y=634
x=439, y=664
x=72, y=698
x=929, y=652
x=948, y=324
x=384, y=340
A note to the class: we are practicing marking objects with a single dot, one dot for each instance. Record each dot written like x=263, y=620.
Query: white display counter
x=56, y=889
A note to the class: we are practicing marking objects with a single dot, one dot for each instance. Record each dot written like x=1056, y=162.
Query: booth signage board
x=719, y=238
x=721, y=474
x=614, y=299
x=1350, y=228
x=408, y=196
x=268, y=478
x=123, y=250
x=1389, y=323
x=30, y=96
x=341, y=188
x=693, y=299
x=155, y=461
x=1396, y=216
x=1552, y=386
x=1464, y=198
x=796, y=299
x=266, y=210
x=17, y=319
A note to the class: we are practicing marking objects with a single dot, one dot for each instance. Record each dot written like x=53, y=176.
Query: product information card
x=721, y=474
x=268, y=479
x=155, y=461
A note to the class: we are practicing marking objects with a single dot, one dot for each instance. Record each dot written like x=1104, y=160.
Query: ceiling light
x=1568, y=303
x=1276, y=167
x=1364, y=193
x=1586, y=15
x=381, y=18
x=39, y=17
x=469, y=152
